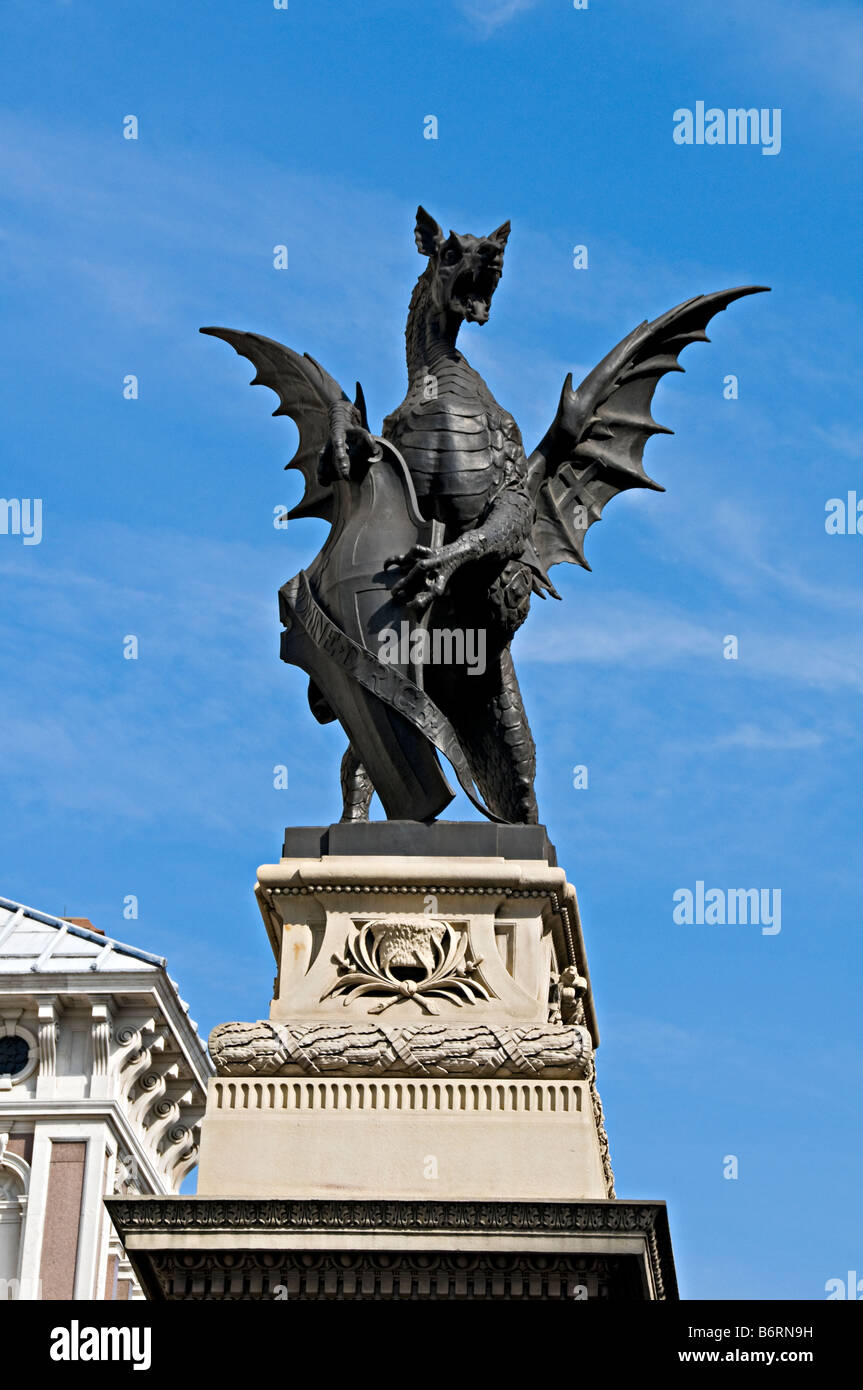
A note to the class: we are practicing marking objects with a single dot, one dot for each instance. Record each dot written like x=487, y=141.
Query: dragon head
x=464, y=270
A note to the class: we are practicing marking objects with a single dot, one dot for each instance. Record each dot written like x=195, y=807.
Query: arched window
x=13, y=1189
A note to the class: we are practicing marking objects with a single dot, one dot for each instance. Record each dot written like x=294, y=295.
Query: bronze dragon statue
x=442, y=526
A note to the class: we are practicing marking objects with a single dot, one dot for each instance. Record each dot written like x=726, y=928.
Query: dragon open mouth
x=472, y=293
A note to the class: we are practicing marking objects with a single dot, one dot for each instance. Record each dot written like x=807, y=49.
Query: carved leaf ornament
x=411, y=958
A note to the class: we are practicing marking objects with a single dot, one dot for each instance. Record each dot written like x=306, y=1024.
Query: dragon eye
x=451, y=255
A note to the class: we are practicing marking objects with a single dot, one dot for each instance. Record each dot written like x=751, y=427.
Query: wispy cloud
x=843, y=439
x=487, y=16
x=757, y=738
x=821, y=42
x=195, y=725
x=622, y=629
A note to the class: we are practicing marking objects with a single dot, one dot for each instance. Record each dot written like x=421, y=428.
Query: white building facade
x=103, y=1082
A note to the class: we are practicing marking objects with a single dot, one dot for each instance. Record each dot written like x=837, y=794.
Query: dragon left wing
x=305, y=393
x=595, y=447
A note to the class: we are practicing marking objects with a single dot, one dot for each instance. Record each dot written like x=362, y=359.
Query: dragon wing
x=595, y=447
x=305, y=393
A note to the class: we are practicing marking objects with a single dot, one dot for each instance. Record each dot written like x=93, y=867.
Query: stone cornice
x=148, y=990
x=619, y=1217
x=165, y=1217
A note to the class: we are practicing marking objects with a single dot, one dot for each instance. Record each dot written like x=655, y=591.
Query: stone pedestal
x=422, y=1093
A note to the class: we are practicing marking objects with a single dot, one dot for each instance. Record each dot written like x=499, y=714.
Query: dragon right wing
x=595, y=448
x=305, y=393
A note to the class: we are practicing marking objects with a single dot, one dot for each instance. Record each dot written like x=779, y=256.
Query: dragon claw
x=426, y=575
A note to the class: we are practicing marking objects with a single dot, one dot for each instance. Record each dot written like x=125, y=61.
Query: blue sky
x=154, y=777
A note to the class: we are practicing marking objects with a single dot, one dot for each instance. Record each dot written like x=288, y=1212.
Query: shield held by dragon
x=443, y=520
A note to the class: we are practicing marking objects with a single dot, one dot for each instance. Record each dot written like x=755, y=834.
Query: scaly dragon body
x=504, y=519
x=456, y=440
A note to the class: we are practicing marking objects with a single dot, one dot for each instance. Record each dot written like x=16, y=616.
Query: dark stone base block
x=451, y=838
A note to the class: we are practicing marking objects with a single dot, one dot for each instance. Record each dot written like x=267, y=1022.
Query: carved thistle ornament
x=410, y=957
